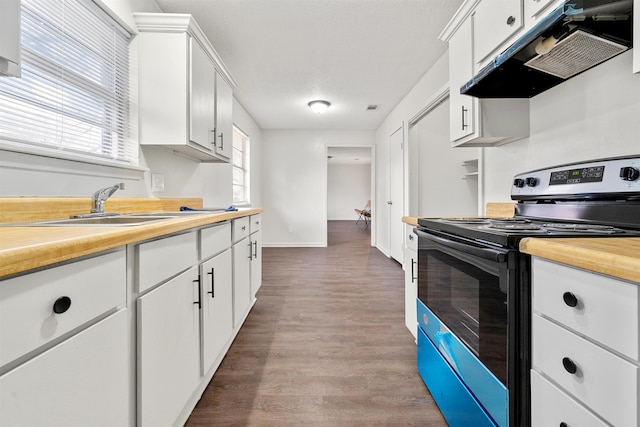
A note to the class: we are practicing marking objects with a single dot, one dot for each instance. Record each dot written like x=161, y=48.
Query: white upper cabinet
x=462, y=107
x=636, y=36
x=185, y=90
x=478, y=122
x=494, y=22
x=10, y=38
x=223, y=142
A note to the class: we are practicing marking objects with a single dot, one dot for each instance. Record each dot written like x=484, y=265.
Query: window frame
x=126, y=151
x=245, y=168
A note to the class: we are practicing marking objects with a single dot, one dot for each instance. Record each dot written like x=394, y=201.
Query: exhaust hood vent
x=573, y=38
x=575, y=54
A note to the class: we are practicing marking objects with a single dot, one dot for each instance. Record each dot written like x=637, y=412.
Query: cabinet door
x=410, y=289
x=10, y=37
x=241, y=280
x=256, y=262
x=461, y=107
x=217, y=307
x=636, y=36
x=224, y=118
x=84, y=381
x=202, y=97
x=494, y=21
x=168, y=349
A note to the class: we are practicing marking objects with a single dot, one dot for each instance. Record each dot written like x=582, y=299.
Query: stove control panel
x=606, y=178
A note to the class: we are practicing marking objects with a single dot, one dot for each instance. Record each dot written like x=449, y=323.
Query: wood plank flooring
x=324, y=345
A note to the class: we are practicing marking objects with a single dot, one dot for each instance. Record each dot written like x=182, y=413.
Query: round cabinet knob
x=511, y=20
x=629, y=173
x=531, y=181
x=61, y=305
x=563, y=424
x=518, y=182
x=570, y=299
x=569, y=365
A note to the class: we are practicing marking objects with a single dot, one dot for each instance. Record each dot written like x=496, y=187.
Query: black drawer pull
x=511, y=20
x=570, y=299
x=569, y=366
x=563, y=424
x=61, y=305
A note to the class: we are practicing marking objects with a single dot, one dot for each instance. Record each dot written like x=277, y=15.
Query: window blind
x=73, y=93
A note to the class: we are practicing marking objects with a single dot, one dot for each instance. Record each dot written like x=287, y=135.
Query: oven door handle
x=499, y=255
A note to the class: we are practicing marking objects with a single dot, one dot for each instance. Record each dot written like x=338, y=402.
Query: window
x=73, y=93
x=240, y=168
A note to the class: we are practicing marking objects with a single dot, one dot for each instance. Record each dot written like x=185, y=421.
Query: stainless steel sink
x=112, y=221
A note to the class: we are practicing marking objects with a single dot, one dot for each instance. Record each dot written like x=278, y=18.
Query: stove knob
x=531, y=181
x=518, y=182
x=629, y=173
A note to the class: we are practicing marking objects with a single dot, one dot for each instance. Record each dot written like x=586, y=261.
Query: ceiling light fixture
x=319, y=106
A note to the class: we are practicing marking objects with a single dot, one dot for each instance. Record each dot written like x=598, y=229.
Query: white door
x=396, y=193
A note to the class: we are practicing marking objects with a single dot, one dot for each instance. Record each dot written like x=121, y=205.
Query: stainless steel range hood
x=576, y=36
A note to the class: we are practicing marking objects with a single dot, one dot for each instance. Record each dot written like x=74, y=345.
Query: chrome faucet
x=99, y=197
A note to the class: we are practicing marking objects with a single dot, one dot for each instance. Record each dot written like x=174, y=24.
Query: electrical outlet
x=157, y=182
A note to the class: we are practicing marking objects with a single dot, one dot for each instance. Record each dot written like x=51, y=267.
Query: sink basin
x=113, y=221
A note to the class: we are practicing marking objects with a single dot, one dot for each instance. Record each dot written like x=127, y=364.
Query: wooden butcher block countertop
x=26, y=248
x=614, y=256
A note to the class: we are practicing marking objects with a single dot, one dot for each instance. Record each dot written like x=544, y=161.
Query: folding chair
x=364, y=214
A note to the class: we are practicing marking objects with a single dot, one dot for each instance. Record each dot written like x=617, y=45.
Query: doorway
x=350, y=181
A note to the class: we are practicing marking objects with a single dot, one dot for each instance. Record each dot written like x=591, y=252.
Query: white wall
x=442, y=191
x=348, y=188
x=294, y=183
x=29, y=175
x=594, y=115
x=408, y=107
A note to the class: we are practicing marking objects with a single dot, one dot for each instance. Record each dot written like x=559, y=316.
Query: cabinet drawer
x=241, y=228
x=256, y=223
x=161, y=259
x=27, y=318
x=214, y=240
x=606, y=308
x=493, y=23
x=551, y=407
x=602, y=381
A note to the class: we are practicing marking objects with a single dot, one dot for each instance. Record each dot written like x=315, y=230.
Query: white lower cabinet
x=168, y=321
x=585, y=364
x=242, y=253
x=217, y=307
x=81, y=382
x=64, y=347
x=256, y=253
x=410, y=280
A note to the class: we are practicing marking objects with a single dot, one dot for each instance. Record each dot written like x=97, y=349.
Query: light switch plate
x=157, y=182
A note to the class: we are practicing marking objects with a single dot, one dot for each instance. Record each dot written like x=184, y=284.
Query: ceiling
x=352, y=53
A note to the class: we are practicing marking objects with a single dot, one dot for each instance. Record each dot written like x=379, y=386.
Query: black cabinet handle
x=569, y=365
x=221, y=141
x=212, y=292
x=511, y=20
x=255, y=250
x=61, y=305
x=413, y=277
x=244, y=227
x=464, y=125
x=563, y=424
x=570, y=299
x=250, y=250
x=199, y=302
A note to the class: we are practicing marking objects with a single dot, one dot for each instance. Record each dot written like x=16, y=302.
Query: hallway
x=324, y=345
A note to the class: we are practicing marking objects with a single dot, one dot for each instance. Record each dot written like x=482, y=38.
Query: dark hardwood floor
x=325, y=344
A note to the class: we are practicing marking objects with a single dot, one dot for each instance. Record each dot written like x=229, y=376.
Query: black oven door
x=468, y=308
